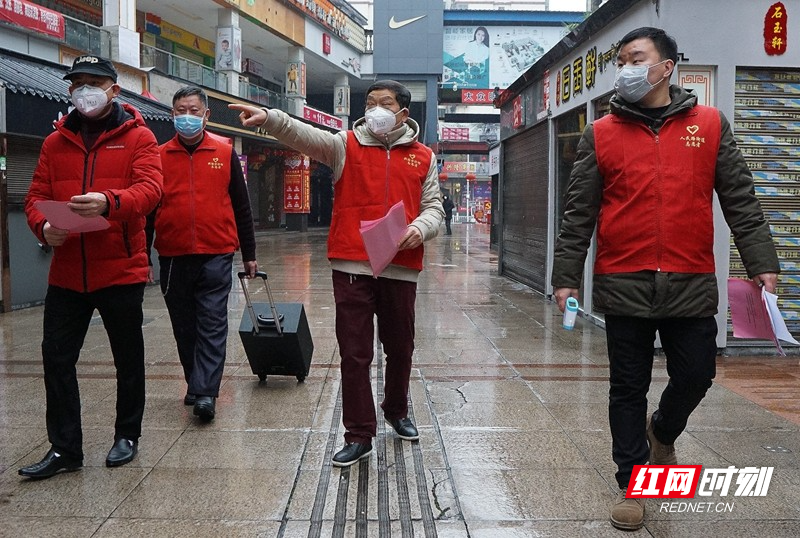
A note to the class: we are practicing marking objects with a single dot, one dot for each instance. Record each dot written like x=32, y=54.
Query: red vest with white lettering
x=656, y=210
x=373, y=180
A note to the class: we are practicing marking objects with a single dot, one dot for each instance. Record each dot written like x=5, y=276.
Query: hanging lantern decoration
x=443, y=176
x=471, y=177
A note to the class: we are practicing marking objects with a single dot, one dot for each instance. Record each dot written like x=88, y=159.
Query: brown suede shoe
x=660, y=454
x=627, y=514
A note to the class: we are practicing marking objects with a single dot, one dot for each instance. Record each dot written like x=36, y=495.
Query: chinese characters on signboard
x=31, y=16
x=582, y=73
x=296, y=184
x=775, y=33
x=317, y=116
x=455, y=133
x=477, y=97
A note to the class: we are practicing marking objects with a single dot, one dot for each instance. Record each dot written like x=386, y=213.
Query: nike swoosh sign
x=394, y=25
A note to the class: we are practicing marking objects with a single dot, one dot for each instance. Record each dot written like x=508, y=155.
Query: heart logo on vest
x=692, y=129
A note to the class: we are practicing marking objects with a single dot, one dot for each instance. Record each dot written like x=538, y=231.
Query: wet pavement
x=511, y=409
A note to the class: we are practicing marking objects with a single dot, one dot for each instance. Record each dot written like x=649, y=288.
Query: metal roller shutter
x=767, y=130
x=418, y=89
x=23, y=154
x=525, y=196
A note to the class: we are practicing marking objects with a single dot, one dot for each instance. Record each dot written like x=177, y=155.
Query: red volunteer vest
x=373, y=180
x=196, y=213
x=656, y=210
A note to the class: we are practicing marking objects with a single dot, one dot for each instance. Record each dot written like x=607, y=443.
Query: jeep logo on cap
x=84, y=59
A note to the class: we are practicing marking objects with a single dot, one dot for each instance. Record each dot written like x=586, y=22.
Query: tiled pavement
x=511, y=410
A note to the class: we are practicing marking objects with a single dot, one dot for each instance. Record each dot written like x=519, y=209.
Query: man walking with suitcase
x=203, y=218
x=375, y=165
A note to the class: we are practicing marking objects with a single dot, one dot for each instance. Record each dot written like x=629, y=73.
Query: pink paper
x=749, y=315
x=62, y=217
x=382, y=236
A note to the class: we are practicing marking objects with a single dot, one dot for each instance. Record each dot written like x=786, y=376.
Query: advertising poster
x=229, y=49
x=494, y=56
x=296, y=79
x=296, y=184
x=341, y=100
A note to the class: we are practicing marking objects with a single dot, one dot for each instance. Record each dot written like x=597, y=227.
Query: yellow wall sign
x=186, y=38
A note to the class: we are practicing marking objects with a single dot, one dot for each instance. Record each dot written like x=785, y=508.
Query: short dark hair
x=401, y=93
x=188, y=91
x=665, y=44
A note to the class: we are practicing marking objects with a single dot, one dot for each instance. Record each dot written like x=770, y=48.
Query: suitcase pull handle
x=276, y=318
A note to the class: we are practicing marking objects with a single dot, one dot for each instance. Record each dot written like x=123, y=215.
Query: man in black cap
x=101, y=160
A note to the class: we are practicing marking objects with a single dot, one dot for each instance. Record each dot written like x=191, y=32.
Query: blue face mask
x=188, y=125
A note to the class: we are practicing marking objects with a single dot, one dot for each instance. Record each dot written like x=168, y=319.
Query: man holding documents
x=645, y=175
x=376, y=165
x=101, y=161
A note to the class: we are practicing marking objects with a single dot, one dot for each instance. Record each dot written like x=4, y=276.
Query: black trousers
x=196, y=289
x=690, y=348
x=67, y=315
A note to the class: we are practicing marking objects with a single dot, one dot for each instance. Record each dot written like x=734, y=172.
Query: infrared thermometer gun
x=570, y=313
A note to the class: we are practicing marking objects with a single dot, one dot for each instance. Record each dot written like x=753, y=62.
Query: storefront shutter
x=525, y=217
x=767, y=130
x=23, y=154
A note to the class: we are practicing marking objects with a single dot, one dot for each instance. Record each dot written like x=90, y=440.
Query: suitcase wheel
x=301, y=378
x=262, y=377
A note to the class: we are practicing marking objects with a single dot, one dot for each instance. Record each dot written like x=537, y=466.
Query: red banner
x=519, y=116
x=33, y=17
x=296, y=184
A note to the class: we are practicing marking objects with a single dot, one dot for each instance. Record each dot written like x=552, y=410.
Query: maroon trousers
x=358, y=299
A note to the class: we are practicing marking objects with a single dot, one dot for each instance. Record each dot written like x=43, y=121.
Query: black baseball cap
x=92, y=65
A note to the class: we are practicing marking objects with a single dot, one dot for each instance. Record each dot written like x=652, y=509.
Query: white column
x=119, y=18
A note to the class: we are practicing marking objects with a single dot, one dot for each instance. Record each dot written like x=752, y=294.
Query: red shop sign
x=775, y=33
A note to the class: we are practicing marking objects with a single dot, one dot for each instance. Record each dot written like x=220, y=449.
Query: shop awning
x=45, y=80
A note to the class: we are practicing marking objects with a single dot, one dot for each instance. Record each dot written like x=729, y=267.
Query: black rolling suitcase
x=275, y=336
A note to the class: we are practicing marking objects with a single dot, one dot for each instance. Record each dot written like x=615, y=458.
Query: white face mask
x=631, y=81
x=90, y=100
x=380, y=120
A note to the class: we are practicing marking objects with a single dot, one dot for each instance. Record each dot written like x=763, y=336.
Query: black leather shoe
x=52, y=463
x=405, y=428
x=351, y=453
x=123, y=451
x=189, y=399
x=204, y=407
